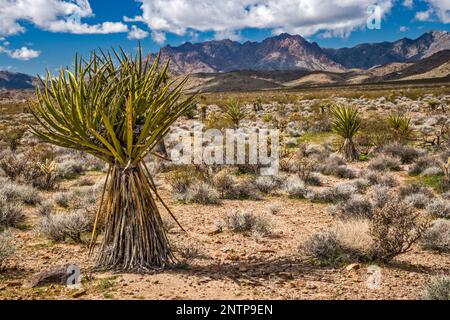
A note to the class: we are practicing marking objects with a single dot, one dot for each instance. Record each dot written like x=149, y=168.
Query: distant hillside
x=13, y=80
x=368, y=55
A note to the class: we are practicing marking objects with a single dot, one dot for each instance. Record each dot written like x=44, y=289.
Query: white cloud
x=424, y=15
x=305, y=17
x=137, y=34
x=408, y=3
x=442, y=9
x=52, y=15
x=159, y=37
x=23, y=53
x=403, y=29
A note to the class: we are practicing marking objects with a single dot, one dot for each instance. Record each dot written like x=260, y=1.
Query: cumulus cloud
x=403, y=28
x=442, y=9
x=137, y=34
x=305, y=17
x=424, y=15
x=52, y=15
x=23, y=53
x=408, y=3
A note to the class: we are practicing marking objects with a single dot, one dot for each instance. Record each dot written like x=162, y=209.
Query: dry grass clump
x=11, y=214
x=355, y=207
x=13, y=192
x=438, y=288
x=385, y=163
x=336, y=166
x=437, y=237
x=344, y=242
x=335, y=194
x=423, y=163
x=248, y=222
x=406, y=154
x=295, y=187
x=201, y=192
x=268, y=184
x=384, y=179
x=439, y=208
x=59, y=227
x=6, y=248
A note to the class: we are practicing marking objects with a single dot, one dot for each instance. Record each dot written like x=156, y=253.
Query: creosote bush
x=395, y=228
x=438, y=288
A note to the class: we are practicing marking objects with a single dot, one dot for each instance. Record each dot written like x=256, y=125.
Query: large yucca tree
x=346, y=123
x=118, y=108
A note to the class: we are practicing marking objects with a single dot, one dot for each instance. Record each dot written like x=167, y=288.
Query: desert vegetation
x=363, y=181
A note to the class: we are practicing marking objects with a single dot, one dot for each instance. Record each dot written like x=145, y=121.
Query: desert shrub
x=381, y=195
x=405, y=153
x=437, y=237
x=245, y=189
x=438, y=288
x=223, y=181
x=414, y=188
x=202, y=192
x=314, y=179
x=361, y=184
x=76, y=199
x=432, y=171
x=11, y=213
x=275, y=208
x=439, y=208
x=85, y=181
x=344, y=242
x=417, y=200
x=180, y=180
x=59, y=227
x=6, y=248
x=355, y=207
x=382, y=163
x=249, y=222
x=395, y=228
x=383, y=179
x=45, y=208
x=12, y=165
x=423, y=163
x=70, y=169
x=295, y=187
x=268, y=184
x=336, y=166
x=340, y=192
x=20, y=193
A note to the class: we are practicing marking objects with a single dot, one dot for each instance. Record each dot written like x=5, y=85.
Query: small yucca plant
x=117, y=108
x=234, y=112
x=401, y=125
x=346, y=123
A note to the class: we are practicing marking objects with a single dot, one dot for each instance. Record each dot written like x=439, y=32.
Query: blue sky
x=40, y=34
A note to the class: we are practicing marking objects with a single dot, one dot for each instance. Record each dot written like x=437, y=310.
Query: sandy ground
x=230, y=266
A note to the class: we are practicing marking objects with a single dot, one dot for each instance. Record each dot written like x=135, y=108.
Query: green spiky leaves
x=114, y=106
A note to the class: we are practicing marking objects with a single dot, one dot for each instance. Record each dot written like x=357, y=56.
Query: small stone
x=353, y=266
x=79, y=293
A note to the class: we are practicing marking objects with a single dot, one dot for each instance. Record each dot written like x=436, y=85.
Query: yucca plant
x=346, y=123
x=401, y=125
x=234, y=112
x=118, y=108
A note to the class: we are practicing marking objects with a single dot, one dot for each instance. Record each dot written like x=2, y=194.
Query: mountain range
x=290, y=61
x=293, y=52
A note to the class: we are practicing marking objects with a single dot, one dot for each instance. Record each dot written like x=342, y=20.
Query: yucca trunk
x=134, y=238
x=349, y=151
